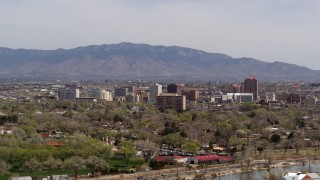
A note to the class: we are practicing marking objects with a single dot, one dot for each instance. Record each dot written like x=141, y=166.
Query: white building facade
x=155, y=90
x=240, y=97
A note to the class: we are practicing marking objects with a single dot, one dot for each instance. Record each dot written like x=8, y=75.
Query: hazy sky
x=269, y=30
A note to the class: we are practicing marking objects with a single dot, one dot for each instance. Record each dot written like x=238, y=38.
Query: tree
x=31, y=165
x=260, y=149
x=268, y=155
x=36, y=139
x=68, y=114
x=224, y=130
x=235, y=141
x=104, y=151
x=189, y=167
x=174, y=140
x=128, y=150
x=192, y=146
x=275, y=138
x=170, y=128
x=75, y=163
x=155, y=164
x=315, y=136
x=118, y=117
x=248, y=156
x=291, y=135
x=53, y=164
x=5, y=153
x=298, y=143
x=183, y=134
x=240, y=133
x=4, y=167
x=260, y=145
x=29, y=129
x=95, y=163
x=19, y=133
x=286, y=145
x=148, y=148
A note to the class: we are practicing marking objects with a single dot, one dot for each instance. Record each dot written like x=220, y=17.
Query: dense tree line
x=8, y=119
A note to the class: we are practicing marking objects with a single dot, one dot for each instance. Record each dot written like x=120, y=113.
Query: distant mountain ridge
x=128, y=60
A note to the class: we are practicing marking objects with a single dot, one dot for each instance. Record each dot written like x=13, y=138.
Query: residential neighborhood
x=131, y=127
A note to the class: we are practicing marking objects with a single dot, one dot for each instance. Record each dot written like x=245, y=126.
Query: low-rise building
x=208, y=159
x=69, y=94
x=240, y=97
x=300, y=176
x=133, y=98
x=270, y=97
x=101, y=94
x=311, y=100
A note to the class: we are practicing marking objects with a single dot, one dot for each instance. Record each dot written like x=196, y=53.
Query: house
x=171, y=159
x=5, y=130
x=204, y=159
x=164, y=159
x=218, y=149
x=53, y=143
x=180, y=159
x=300, y=176
x=208, y=159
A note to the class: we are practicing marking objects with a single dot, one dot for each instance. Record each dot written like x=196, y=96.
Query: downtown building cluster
x=180, y=97
x=176, y=96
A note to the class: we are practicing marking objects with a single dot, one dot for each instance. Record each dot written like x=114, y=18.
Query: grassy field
x=41, y=173
x=118, y=163
x=121, y=163
x=4, y=176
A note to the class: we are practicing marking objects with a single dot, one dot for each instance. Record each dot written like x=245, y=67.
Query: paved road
x=219, y=169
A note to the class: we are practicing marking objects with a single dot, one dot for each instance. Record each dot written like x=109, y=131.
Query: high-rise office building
x=171, y=101
x=120, y=92
x=251, y=86
x=294, y=98
x=155, y=90
x=132, y=89
x=235, y=88
x=174, y=88
x=191, y=95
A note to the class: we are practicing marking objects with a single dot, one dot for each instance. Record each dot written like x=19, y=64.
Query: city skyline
x=270, y=31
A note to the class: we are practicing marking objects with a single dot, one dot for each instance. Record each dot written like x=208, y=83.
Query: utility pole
x=177, y=174
x=309, y=161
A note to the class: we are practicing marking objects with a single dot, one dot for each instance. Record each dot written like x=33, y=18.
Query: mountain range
x=133, y=61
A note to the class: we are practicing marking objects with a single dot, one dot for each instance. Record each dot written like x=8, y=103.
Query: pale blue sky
x=269, y=30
